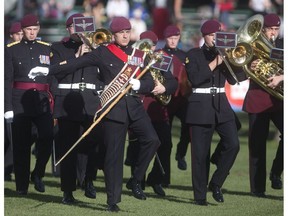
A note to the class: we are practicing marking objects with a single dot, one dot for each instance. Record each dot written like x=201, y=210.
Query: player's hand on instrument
x=275, y=81
x=38, y=71
x=159, y=88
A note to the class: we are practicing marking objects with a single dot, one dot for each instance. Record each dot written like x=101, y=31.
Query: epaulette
x=13, y=43
x=42, y=42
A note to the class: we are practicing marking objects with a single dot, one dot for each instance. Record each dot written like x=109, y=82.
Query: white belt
x=211, y=90
x=80, y=86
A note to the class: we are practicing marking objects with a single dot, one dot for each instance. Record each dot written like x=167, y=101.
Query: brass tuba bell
x=146, y=45
x=252, y=44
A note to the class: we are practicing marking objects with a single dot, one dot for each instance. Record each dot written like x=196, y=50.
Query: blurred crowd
x=154, y=15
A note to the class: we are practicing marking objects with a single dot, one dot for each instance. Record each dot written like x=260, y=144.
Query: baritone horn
x=251, y=45
x=146, y=45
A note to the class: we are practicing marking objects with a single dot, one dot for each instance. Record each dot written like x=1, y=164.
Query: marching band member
x=16, y=34
x=208, y=111
x=261, y=108
x=119, y=60
x=178, y=104
x=76, y=100
x=160, y=119
x=28, y=101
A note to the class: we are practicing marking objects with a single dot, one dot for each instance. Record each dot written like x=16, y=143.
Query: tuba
x=94, y=39
x=252, y=44
x=145, y=45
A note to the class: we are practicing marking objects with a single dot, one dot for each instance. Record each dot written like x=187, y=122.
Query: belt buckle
x=82, y=86
x=213, y=91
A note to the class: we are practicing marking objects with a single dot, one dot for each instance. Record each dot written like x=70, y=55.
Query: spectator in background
x=95, y=8
x=137, y=23
x=116, y=8
x=222, y=10
x=259, y=6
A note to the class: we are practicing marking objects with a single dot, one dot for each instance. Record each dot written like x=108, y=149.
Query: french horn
x=252, y=44
x=146, y=45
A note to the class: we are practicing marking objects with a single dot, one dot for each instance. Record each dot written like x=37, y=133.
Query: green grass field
x=179, y=196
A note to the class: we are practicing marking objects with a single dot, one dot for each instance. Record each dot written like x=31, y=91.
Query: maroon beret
x=15, y=27
x=69, y=21
x=271, y=20
x=149, y=35
x=29, y=20
x=171, y=30
x=210, y=26
x=119, y=23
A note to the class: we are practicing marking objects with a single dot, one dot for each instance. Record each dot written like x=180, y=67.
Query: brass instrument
x=94, y=39
x=252, y=44
x=145, y=45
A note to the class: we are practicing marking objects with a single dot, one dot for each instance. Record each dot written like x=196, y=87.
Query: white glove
x=135, y=84
x=38, y=71
x=9, y=116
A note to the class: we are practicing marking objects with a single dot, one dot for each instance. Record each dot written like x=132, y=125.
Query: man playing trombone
x=76, y=99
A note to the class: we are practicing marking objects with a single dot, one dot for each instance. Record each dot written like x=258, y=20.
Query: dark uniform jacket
x=20, y=57
x=75, y=103
x=179, y=98
x=110, y=65
x=258, y=100
x=206, y=108
x=156, y=110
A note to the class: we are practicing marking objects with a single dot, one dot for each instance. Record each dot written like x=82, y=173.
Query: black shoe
x=182, y=165
x=201, y=202
x=276, y=182
x=68, y=198
x=158, y=189
x=216, y=192
x=38, y=183
x=164, y=185
x=22, y=192
x=135, y=186
x=113, y=208
x=90, y=190
x=259, y=194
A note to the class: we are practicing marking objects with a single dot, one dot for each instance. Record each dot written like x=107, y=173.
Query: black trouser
x=184, y=135
x=156, y=176
x=69, y=132
x=114, y=139
x=21, y=130
x=8, y=149
x=258, y=134
x=201, y=137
